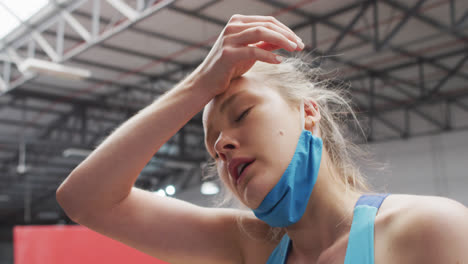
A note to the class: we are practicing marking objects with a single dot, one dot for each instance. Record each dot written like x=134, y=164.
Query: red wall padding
x=72, y=245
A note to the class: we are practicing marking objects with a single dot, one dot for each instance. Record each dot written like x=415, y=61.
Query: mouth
x=238, y=167
x=243, y=171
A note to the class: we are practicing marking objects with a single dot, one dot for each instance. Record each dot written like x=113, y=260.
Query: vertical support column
x=27, y=201
x=140, y=5
x=127, y=102
x=182, y=142
x=407, y=124
x=376, y=26
x=3, y=85
x=60, y=37
x=314, y=36
x=422, y=83
x=31, y=49
x=21, y=169
x=372, y=108
x=68, y=133
x=452, y=14
x=314, y=48
x=96, y=18
x=448, y=115
x=84, y=124
x=6, y=74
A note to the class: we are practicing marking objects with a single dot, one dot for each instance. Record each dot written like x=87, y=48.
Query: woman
x=299, y=176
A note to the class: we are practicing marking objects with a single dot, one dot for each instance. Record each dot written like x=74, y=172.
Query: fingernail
x=279, y=58
x=301, y=45
x=292, y=44
x=298, y=39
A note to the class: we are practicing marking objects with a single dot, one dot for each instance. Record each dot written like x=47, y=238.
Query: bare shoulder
x=425, y=229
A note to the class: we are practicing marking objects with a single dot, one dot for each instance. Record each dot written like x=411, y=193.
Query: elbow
x=69, y=205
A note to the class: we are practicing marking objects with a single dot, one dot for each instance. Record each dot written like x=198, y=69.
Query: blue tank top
x=361, y=237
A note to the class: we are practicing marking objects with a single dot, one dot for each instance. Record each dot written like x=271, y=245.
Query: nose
x=225, y=145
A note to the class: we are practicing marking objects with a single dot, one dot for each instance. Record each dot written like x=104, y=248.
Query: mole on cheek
x=281, y=133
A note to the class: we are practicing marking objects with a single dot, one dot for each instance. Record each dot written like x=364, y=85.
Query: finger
x=257, y=34
x=249, y=19
x=239, y=27
x=254, y=53
x=266, y=46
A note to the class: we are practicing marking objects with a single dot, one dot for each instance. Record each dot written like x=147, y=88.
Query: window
x=12, y=12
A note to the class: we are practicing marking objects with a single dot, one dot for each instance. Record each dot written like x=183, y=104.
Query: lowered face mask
x=285, y=204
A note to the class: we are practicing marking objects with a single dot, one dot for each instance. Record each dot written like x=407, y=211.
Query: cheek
x=222, y=175
x=225, y=179
x=276, y=138
x=273, y=159
x=278, y=154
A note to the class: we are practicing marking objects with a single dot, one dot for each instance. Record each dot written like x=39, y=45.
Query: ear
x=311, y=114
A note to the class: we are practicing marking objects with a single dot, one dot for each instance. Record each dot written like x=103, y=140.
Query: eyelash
x=238, y=120
x=243, y=114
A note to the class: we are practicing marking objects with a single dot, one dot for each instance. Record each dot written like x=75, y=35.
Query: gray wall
x=6, y=245
x=6, y=253
x=429, y=165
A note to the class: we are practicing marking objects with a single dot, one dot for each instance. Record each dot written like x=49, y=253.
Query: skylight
x=13, y=10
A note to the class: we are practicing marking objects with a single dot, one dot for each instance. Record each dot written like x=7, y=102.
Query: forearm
x=107, y=175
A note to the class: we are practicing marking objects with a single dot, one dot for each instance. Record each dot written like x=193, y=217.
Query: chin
x=252, y=204
x=255, y=192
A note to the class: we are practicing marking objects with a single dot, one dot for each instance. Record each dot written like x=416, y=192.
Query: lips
x=243, y=172
x=234, y=167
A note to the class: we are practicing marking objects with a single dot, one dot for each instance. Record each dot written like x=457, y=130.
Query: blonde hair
x=299, y=78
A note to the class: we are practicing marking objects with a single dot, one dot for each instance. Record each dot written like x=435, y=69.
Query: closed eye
x=243, y=114
x=237, y=120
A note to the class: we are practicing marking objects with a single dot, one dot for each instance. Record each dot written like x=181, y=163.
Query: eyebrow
x=230, y=100
x=223, y=107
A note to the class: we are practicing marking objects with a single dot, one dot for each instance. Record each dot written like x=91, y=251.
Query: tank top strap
x=360, y=247
x=374, y=200
x=279, y=255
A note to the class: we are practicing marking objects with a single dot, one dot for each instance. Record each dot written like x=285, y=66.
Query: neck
x=328, y=216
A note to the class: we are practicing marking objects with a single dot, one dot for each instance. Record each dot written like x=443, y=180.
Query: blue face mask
x=285, y=204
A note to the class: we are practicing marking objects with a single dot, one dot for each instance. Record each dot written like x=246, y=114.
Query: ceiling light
x=209, y=188
x=52, y=68
x=160, y=192
x=170, y=190
x=76, y=152
x=4, y=198
x=22, y=169
x=3, y=85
